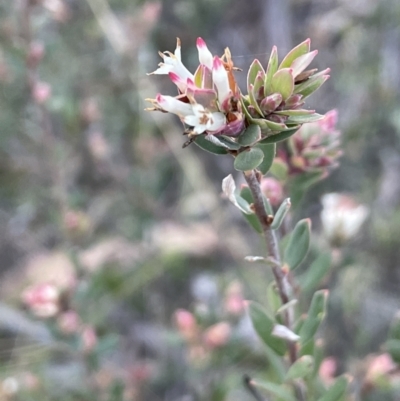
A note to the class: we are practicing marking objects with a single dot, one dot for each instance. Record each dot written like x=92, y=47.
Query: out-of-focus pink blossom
x=217, y=335
x=41, y=92
x=89, y=339
x=42, y=299
x=273, y=190
x=35, y=53
x=315, y=147
x=186, y=324
x=380, y=365
x=234, y=301
x=69, y=322
x=327, y=370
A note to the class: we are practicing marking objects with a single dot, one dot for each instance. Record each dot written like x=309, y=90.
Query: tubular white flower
x=203, y=120
x=173, y=105
x=205, y=56
x=173, y=63
x=221, y=80
x=179, y=82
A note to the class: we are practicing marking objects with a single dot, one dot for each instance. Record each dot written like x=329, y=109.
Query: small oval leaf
x=248, y=159
x=299, y=244
x=271, y=70
x=263, y=325
x=279, y=137
x=283, y=83
x=299, y=50
x=315, y=315
x=202, y=143
x=250, y=135
x=302, y=368
x=269, y=151
x=281, y=214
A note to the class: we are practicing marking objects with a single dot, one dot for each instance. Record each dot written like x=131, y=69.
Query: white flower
x=342, y=217
x=203, y=120
x=173, y=63
x=172, y=105
x=205, y=56
x=221, y=80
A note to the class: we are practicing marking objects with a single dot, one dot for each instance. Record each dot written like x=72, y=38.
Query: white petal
x=220, y=79
x=191, y=120
x=173, y=105
x=205, y=56
x=217, y=121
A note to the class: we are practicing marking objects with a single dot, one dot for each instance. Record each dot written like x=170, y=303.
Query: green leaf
x=299, y=243
x=252, y=219
x=226, y=142
x=305, y=118
x=281, y=214
x=280, y=137
x=302, y=368
x=315, y=315
x=283, y=83
x=253, y=101
x=310, y=86
x=279, y=169
x=273, y=126
x=202, y=143
x=269, y=155
x=393, y=347
x=316, y=272
x=273, y=298
x=298, y=112
x=318, y=355
x=254, y=69
x=271, y=70
x=299, y=50
x=250, y=135
x=337, y=390
x=280, y=391
x=248, y=159
x=263, y=325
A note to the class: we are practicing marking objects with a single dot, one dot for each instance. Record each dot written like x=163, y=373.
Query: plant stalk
x=282, y=282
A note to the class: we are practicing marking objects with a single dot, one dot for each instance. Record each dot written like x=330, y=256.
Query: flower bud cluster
x=316, y=146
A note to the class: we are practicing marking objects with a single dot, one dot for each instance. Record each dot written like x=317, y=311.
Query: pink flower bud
x=41, y=92
x=36, y=53
x=234, y=301
x=69, y=322
x=89, y=339
x=380, y=365
x=42, y=299
x=186, y=324
x=273, y=190
x=217, y=335
x=327, y=370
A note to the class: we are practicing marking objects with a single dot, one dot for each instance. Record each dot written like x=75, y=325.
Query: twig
x=284, y=287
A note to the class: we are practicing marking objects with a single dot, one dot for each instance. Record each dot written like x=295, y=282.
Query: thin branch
x=284, y=287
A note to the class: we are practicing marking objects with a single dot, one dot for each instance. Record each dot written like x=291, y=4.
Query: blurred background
x=117, y=251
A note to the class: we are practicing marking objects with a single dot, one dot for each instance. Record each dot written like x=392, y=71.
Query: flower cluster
x=316, y=146
x=208, y=100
